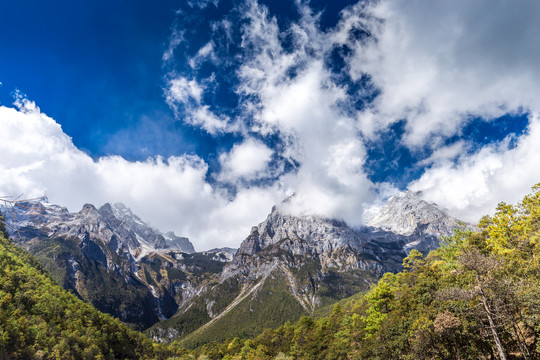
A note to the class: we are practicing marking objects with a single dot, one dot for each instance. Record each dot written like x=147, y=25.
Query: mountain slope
x=40, y=320
x=302, y=264
x=475, y=297
x=112, y=259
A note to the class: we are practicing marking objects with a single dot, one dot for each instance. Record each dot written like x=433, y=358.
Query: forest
x=476, y=297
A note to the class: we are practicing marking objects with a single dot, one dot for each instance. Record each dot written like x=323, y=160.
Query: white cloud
x=439, y=63
x=38, y=159
x=474, y=185
x=445, y=154
x=176, y=38
x=248, y=160
x=436, y=64
x=185, y=93
x=306, y=111
x=204, y=53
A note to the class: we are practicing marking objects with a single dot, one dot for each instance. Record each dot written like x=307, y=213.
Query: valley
x=289, y=266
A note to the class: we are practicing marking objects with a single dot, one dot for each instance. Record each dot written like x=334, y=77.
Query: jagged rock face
x=107, y=256
x=181, y=243
x=408, y=214
x=34, y=212
x=321, y=235
x=147, y=234
x=405, y=222
x=405, y=212
x=307, y=236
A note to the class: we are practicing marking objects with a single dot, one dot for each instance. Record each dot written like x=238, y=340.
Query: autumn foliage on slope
x=476, y=297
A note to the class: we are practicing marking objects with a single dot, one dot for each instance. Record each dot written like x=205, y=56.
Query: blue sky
x=200, y=115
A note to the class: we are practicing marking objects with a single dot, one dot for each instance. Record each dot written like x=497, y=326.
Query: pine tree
x=3, y=229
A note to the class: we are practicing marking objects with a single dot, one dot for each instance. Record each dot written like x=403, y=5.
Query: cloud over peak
x=290, y=106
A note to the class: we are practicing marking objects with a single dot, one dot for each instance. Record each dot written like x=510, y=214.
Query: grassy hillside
x=271, y=305
x=243, y=309
x=476, y=297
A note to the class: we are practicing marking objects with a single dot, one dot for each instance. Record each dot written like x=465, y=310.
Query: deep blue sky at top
x=96, y=67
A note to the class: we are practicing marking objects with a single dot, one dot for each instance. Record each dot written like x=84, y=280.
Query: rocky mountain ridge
x=309, y=262
x=287, y=266
x=112, y=259
x=408, y=214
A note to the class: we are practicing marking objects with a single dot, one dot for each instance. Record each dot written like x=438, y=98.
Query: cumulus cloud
x=433, y=65
x=38, y=159
x=473, y=185
x=437, y=64
x=248, y=160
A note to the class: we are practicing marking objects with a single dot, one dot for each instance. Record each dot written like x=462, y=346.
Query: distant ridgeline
x=475, y=297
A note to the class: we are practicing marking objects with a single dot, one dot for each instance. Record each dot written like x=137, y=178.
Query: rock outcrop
x=111, y=258
x=305, y=262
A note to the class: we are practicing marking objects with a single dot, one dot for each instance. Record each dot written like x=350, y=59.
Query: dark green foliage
x=40, y=320
x=182, y=324
x=192, y=318
x=175, y=274
x=3, y=230
x=107, y=290
x=201, y=264
x=336, y=286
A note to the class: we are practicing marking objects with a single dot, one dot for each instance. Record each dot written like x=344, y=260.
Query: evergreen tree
x=3, y=230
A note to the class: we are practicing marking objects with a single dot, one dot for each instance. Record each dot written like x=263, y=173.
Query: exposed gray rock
x=286, y=242
x=409, y=215
x=112, y=237
x=174, y=241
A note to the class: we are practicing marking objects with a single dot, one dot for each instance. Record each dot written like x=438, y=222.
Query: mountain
x=290, y=266
x=474, y=297
x=145, y=234
x=112, y=259
x=407, y=214
x=40, y=320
